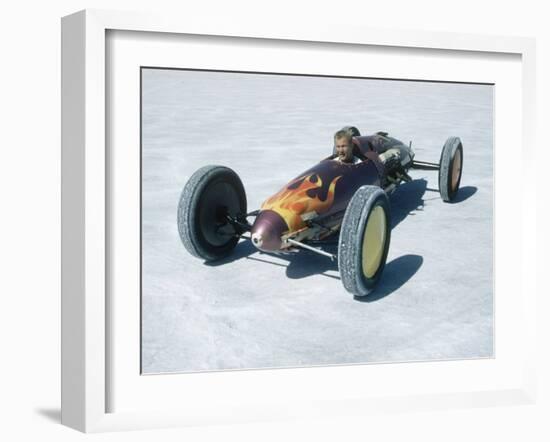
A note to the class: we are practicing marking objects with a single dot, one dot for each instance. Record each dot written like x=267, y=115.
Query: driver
x=344, y=147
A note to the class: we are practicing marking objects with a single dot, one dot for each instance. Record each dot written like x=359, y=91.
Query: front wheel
x=364, y=240
x=211, y=196
x=450, y=168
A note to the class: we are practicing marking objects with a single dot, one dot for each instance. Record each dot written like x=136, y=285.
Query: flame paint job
x=303, y=195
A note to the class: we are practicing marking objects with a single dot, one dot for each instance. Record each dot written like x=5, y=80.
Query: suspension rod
x=313, y=249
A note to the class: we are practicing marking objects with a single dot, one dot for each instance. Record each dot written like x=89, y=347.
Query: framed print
x=224, y=187
x=250, y=305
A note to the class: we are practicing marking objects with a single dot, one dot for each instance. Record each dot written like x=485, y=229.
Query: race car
x=347, y=200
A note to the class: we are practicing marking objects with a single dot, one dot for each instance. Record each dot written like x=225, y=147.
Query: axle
x=424, y=165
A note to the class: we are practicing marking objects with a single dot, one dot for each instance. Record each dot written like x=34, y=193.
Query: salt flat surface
x=255, y=310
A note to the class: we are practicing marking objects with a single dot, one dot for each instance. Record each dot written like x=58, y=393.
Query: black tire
x=210, y=193
x=368, y=208
x=450, y=168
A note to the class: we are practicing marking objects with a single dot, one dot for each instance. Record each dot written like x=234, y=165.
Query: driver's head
x=344, y=146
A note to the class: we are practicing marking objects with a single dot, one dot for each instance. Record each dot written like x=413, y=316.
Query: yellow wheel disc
x=373, y=241
x=457, y=163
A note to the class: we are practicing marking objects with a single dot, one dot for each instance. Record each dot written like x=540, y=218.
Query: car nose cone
x=267, y=230
x=257, y=240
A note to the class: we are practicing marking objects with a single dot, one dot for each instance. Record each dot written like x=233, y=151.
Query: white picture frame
x=86, y=314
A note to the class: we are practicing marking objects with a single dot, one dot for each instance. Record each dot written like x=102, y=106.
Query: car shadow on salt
x=464, y=193
x=396, y=274
x=404, y=202
x=305, y=263
x=407, y=199
x=242, y=250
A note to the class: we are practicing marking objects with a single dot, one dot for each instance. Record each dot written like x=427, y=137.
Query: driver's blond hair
x=343, y=133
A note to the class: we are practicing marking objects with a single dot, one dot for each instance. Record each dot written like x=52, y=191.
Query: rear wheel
x=212, y=194
x=450, y=168
x=364, y=240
